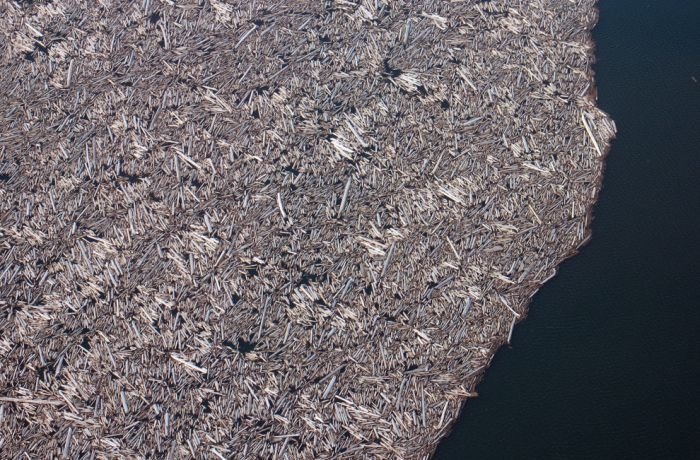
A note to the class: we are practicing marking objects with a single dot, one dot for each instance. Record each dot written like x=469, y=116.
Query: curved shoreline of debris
x=234, y=229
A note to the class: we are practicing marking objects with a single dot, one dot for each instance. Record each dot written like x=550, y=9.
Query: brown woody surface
x=278, y=229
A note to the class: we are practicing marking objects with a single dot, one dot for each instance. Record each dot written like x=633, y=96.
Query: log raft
x=279, y=229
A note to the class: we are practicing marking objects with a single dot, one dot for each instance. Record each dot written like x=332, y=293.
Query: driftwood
x=278, y=229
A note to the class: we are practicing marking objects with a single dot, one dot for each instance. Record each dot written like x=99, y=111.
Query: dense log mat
x=278, y=229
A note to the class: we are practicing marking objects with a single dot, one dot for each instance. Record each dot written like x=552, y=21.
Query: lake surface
x=607, y=364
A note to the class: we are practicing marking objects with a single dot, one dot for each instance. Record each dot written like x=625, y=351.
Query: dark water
x=607, y=365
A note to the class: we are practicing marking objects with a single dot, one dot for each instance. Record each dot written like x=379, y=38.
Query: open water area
x=606, y=366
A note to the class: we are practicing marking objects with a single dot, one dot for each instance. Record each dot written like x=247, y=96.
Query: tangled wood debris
x=278, y=229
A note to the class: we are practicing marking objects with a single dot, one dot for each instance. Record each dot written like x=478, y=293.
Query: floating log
x=279, y=229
